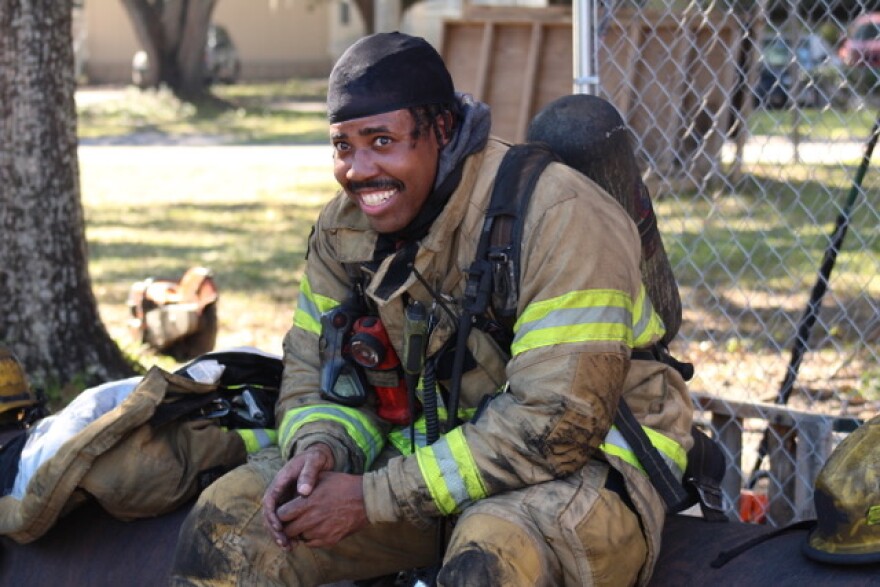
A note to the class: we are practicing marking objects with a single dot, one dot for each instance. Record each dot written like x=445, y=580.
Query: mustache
x=374, y=184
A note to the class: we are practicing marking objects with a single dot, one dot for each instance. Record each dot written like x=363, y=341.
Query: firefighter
x=532, y=485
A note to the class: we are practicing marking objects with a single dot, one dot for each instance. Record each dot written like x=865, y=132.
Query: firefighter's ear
x=445, y=128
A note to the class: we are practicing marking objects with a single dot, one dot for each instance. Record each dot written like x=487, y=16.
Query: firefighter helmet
x=15, y=392
x=847, y=499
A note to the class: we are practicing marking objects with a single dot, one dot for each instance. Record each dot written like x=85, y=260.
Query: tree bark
x=173, y=34
x=48, y=313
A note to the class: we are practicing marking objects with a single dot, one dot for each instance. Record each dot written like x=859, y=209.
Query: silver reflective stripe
x=451, y=475
x=308, y=306
x=570, y=316
x=262, y=437
x=403, y=441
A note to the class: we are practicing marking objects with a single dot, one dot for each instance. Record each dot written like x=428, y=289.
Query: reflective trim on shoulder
x=672, y=452
x=647, y=324
x=451, y=473
x=577, y=316
x=310, y=306
x=256, y=439
x=358, y=427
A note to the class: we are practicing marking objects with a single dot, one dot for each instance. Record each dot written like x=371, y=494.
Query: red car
x=862, y=44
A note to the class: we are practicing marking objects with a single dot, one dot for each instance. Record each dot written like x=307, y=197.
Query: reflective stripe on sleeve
x=451, y=473
x=672, y=452
x=577, y=316
x=359, y=428
x=310, y=306
x=256, y=439
x=647, y=325
x=401, y=437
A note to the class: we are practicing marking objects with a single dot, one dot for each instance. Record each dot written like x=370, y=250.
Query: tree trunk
x=191, y=48
x=48, y=313
x=367, y=8
x=173, y=34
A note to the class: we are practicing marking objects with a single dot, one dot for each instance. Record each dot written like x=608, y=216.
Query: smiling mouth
x=373, y=199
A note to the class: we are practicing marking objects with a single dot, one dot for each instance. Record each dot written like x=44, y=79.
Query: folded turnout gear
x=143, y=446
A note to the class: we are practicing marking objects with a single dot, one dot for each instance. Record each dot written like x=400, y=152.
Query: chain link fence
x=751, y=123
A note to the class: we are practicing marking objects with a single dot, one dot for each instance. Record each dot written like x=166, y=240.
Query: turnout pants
x=574, y=531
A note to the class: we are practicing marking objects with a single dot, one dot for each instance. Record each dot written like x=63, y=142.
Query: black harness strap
x=662, y=478
x=494, y=272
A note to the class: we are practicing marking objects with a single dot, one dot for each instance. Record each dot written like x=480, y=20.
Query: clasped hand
x=307, y=502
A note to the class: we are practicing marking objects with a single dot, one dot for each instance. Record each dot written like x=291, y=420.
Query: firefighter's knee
x=486, y=550
x=471, y=568
x=222, y=537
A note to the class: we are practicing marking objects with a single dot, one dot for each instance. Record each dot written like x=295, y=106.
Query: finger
x=308, y=477
x=291, y=511
x=275, y=528
x=277, y=492
x=283, y=485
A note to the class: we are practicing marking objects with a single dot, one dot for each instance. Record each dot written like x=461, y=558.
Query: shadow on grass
x=251, y=248
x=749, y=260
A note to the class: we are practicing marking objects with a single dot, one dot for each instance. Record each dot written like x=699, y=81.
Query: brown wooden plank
x=485, y=61
x=528, y=82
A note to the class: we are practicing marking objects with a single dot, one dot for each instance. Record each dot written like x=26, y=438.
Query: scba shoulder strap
x=494, y=272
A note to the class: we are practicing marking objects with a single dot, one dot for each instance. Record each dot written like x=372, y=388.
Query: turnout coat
x=582, y=309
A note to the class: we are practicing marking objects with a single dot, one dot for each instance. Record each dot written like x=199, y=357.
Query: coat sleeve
x=581, y=310
x=355, y=434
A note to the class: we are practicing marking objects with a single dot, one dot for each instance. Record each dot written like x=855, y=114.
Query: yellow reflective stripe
x=670, y=449
x=672, y=452
x=257, y=438
x=647, y=325
x=310, y=306
x=622, y=453
x=358, y=427
x=400, y=437
x=451, y=473
x=577, y=316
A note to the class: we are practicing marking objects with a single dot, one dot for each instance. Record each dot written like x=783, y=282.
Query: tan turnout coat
x=561, y=399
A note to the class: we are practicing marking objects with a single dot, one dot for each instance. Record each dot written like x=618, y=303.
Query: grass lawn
x=260, y=114
x=748, y=256
x=154, y=211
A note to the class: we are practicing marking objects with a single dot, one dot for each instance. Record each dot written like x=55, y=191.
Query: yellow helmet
x=15, y=392
x=847, y=499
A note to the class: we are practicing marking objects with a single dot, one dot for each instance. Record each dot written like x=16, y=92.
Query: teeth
x=376, y=198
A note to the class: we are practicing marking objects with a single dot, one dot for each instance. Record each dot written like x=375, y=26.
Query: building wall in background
x=275, y=38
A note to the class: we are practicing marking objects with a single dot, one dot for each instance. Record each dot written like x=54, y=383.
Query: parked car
x=861, y=47
x=222, y=63
x=805, y=72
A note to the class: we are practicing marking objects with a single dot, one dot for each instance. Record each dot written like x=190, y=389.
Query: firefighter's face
x=383, y=169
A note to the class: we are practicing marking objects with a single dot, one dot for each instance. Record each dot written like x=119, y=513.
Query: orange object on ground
x=753, y=506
